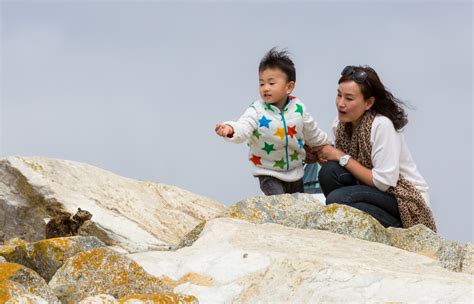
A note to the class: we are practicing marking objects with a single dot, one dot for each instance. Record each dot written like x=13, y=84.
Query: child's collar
x=269, y=106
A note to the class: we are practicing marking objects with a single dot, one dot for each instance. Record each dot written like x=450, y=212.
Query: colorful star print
x=300, y=143
x=294, y=156
x=256, y=160
x=257, y=134
x=268, y=148
x=292, y=131
x=299, y=109
x=280, y=163
x=280, y=132
x=264, y=122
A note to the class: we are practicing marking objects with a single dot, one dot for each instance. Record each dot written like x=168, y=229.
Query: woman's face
x=350, y=102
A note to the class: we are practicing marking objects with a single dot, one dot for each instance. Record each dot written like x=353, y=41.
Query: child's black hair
x=279, y=60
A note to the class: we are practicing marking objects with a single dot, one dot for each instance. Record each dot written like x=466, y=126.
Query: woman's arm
x=385, y=155
x=360, y=172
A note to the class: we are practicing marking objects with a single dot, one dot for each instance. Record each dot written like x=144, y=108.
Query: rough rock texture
x=17, y=281
x=238, y=262
x=102, y=271
x=286, y=209
x=301, y=211
x=99, y=299
x=420, y=239
x=46, y=256
x=159, y=299
x=139, y=299
x=26, y=299
x=192, y=236
x=135, y=215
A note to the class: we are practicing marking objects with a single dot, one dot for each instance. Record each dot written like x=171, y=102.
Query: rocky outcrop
x=132, y=215
x=27, y=299
x=46, y=256
x=153, y=243
x=102, y=271
x=159, y=298
x=141, y=299
x=234, y=261
x=17, y=281
x=305, y=212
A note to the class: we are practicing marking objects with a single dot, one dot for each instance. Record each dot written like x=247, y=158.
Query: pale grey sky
x=136, y=87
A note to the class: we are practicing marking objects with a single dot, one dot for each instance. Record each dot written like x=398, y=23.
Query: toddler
x=277, y=127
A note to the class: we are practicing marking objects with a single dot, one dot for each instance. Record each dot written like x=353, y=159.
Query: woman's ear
x=369, y=103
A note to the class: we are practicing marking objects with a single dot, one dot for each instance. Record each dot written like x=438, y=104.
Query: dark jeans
x=271, y=185
x=340, y=186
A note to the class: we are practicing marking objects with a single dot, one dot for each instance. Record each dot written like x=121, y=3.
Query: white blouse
x=391, y=157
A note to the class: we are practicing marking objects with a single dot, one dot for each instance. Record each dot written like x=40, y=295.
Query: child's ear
x=290, y=87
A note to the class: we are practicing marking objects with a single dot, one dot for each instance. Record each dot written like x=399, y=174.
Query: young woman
x=370, y=168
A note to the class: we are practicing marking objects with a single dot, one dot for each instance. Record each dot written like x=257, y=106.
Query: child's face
x=274, y=87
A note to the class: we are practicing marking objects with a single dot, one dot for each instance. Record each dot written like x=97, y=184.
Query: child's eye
x=261, y=84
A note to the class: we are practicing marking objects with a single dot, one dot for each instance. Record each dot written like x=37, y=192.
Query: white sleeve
x=385, y=154
x=334, y=125
x=244, y=127
x=313, y=136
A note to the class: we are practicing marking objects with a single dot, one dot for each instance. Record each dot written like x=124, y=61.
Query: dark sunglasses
x=359, y=76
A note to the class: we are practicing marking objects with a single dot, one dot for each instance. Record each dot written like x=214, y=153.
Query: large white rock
x=238, y=262
x=133, y=215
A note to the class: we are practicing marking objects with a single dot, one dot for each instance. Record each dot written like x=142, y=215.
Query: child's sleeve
x=313, y=136
x=244, y=126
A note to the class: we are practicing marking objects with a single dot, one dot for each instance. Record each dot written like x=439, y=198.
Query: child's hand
x=311, y=155
x=224, y=130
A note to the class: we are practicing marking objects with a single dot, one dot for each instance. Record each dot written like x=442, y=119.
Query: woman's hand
x=328, y=152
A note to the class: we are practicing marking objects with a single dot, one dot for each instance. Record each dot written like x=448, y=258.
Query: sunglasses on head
x=359, y=76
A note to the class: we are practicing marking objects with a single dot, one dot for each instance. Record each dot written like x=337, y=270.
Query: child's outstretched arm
x=240, y=130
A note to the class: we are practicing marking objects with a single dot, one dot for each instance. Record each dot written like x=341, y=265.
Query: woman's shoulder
x=382, y=121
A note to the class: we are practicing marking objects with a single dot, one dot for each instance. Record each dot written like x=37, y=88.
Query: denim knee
x=339, y=196
x=328, y=172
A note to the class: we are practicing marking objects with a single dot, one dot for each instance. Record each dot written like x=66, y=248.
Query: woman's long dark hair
x=385, y=103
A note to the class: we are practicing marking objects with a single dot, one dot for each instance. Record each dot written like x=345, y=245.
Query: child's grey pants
x=271, y=185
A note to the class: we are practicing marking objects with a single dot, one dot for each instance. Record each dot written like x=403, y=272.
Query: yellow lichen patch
x=93, y=258
x=196, y=279
x=168, y=281
x=7, y=270
x=163, y=298
x=121, y=277
x=55, y=246
x=5, y=291
x=428, y=253
x=8, y=252
x=334, y=208
x=15, y=242
x=233, y=213
x=35, y=166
